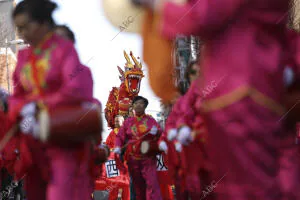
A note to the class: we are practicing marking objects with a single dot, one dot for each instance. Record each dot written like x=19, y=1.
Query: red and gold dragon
x=120, y=98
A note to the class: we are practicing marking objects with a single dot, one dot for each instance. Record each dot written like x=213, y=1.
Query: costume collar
x=43, y=44
x=139, y=118
x=116, y=130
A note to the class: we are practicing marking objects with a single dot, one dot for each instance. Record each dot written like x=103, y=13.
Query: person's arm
x=201, y=17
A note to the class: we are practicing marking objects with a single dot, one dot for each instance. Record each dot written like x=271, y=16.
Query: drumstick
x=7, y=137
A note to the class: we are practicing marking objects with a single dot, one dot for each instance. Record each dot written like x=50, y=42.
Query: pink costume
x=52, y=172
x=141, y=168
x=252, y=156
x=195, y=171
x=174, y=162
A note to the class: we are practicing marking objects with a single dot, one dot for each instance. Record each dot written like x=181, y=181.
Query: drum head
x=145, y=147
x=123, y=13
x=44, y=122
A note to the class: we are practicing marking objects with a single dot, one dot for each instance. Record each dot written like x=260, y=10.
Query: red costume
x=113, y=179
x=164, y=179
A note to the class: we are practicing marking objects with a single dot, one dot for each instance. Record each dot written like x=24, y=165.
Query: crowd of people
x=233, y=141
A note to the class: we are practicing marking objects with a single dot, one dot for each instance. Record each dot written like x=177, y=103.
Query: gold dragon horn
x=135, y=61
x=128, y=63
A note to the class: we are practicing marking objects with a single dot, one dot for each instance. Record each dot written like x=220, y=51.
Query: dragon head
x=133, y=74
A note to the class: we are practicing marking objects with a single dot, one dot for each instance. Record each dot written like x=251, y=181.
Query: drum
x=124, y=15
x=150, y=148
x=72, y=124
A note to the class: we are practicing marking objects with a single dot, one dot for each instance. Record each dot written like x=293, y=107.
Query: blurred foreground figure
x=42, y=78
x=240, y=95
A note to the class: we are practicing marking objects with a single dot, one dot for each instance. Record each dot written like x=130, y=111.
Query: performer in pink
x=142, y=168
x=42, y=79
x=173, y=149
x=243, y=59
x=195, y=172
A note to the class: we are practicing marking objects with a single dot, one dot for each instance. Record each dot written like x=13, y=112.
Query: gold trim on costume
x=238, y=94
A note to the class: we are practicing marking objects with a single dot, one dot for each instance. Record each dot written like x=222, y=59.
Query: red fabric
x=113, y=184
x=113, y=187
x=22, y=165
x=35, y=187
x=173, y=160
x=8, y=154
x=110, y=140
x=165, y=183
x=166, y=192
x=192, y=160
x=163, y=176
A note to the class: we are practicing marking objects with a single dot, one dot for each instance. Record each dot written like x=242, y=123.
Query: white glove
x=172, y=133
x=184, y=135
x=27, y=124
x=288, y=76
x=30, y=126
x=163, y=146
x=178, y=147
x=153, y=130
x=28, y=109
x=117, y=150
